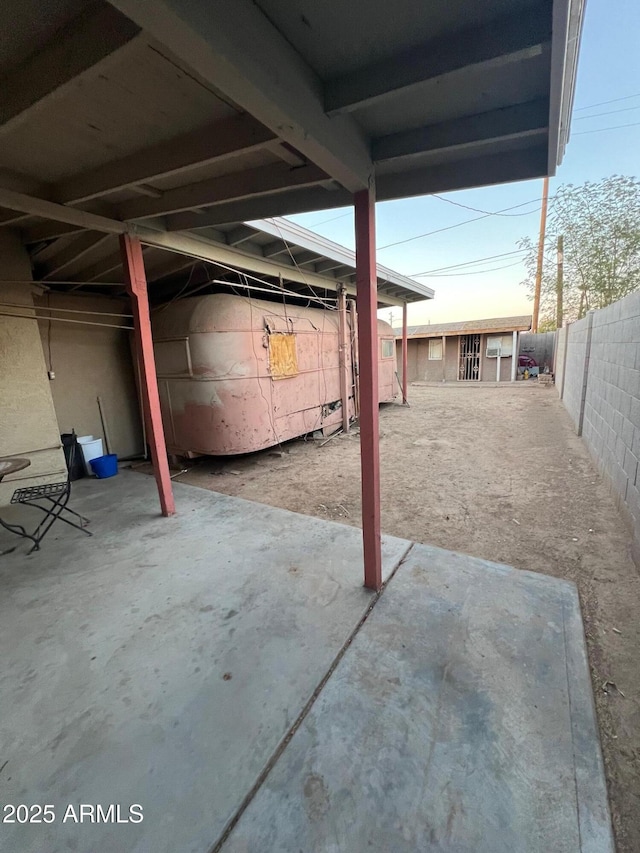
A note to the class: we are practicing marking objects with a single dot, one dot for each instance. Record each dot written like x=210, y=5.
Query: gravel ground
x=496, y=472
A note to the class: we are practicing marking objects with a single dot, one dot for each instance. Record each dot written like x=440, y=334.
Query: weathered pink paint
x=217, y=393
x=136, y=283
x=364, y=203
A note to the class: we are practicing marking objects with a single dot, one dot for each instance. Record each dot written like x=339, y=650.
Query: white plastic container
x=91, y=449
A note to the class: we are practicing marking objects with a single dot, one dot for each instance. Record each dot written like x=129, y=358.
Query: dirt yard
x=496, y=472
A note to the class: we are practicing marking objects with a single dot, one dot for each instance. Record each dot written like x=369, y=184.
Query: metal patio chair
x=52, y=499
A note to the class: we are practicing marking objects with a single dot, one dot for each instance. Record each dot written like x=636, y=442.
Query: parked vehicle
x=527, y=366
x=526, y=361
x=237, y=374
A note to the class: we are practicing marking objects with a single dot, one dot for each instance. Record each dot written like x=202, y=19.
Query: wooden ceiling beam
x=505, y=40
x=74, y=252
x=286, y=152
x=272, y=250
x=44, y=231
x=281, y=204
x=305, y=258
x=210, y=144
x=519, y=165
x=326, y=266
x=11, y=217
x=240, y=235
x=234, y=46
x=44, y=209
x=171, y=265
x=82, y=48
x=274, y=177
x=111, y=264
x=524, y=120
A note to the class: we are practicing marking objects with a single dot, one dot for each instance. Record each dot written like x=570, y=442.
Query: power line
x=602, y=129
x=608, y=113
x=470, y=263
x=476, y=272
x=604, y=103
x=487, y=212
x=457, y=225
x=333, y=219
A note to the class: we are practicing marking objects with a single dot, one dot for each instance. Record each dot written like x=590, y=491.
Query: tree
x=600, y=223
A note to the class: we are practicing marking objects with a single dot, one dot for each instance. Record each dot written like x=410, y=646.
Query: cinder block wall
x=574, y=375
x=610, y=401
x=561, y=348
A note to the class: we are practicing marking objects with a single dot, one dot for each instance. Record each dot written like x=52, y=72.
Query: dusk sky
x=609, y=72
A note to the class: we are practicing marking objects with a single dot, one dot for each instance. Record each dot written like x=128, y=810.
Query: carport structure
x=159, y=123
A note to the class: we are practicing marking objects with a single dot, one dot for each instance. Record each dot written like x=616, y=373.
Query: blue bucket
x=105, y=466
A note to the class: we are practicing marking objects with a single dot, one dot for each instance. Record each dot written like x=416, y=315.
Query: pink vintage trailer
x=237, y=374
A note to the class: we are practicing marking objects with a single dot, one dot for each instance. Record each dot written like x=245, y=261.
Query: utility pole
x=543, y=228
x=560, y=282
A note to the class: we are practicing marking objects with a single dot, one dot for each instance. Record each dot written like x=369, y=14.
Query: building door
x=469, y=367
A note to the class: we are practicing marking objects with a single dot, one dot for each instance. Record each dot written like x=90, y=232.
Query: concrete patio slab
x=460, y=719
x=162, y=661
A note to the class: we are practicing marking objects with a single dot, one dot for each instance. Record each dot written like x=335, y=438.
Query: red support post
x=136, y=281
x=368, y=346
x=404, y=353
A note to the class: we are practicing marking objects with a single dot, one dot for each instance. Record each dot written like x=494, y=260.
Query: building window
x=499, y=345
x=388, y=348
x=435, y=349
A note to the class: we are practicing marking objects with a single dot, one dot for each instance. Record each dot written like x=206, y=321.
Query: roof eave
x=290, y=232
x=568, y=16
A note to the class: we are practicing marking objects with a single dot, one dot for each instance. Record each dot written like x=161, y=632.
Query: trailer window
x=388, y=348
x=283, y=356
x=173, y=357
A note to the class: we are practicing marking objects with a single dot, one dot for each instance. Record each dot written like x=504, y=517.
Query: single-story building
x=471, y=350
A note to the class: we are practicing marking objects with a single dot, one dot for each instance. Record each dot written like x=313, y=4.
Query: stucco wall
x=420, y=368
x=574, y=368
x=91, y=362
x=490, y=367
x=451, y=360
x=602, y=395
x=28, y=425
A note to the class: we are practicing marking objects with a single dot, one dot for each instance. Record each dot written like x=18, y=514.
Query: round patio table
x=9, y=465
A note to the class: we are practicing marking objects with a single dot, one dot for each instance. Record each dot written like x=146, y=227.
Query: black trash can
x=69, y=443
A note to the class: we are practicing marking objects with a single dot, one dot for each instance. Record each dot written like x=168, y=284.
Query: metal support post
x=136, y=281
x=368, y=345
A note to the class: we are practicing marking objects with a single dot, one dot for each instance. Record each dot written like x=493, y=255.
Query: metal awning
x=274, y=251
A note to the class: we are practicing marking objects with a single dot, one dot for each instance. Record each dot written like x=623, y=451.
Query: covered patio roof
x=168, y=116
x=274, y=250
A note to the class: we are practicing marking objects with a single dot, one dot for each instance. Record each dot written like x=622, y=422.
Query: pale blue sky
x=609, y=68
